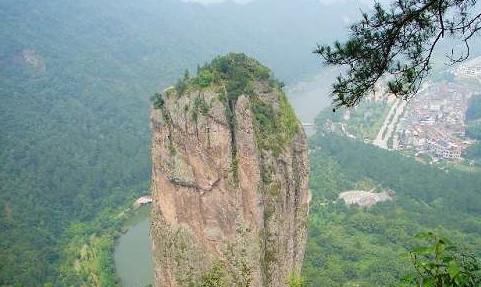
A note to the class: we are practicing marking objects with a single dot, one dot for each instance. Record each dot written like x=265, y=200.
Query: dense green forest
x=352, y=246
x=75, y=83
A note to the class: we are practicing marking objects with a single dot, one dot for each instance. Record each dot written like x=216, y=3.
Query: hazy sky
x=245, y=1
x=216, y=1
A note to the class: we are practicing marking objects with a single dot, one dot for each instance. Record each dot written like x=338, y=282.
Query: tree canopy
x=398, y=43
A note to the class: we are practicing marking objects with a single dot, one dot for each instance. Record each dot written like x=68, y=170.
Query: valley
x=78, y=80
x=366, y=246
x=75, y=83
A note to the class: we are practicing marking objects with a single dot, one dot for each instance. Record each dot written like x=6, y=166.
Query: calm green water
x=133, y=254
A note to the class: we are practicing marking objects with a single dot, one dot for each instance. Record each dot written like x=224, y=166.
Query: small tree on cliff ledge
x=399, y=42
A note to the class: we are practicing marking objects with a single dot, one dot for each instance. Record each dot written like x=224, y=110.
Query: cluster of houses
x=434, y=122
x=470, y=70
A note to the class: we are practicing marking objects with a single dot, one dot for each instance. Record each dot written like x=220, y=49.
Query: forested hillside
x=352, y=246
x=75, y=83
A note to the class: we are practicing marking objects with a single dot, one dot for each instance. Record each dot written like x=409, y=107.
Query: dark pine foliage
x=398, y=42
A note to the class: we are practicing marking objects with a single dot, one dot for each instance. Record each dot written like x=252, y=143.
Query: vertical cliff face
x=229, y=179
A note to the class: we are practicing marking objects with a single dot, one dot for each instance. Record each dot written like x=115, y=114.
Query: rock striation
x=229, y=179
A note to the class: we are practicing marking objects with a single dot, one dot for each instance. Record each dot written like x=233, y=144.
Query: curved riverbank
x=132, y=255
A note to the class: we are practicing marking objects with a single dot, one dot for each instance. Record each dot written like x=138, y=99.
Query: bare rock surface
x=229, y=180
x=365, y=198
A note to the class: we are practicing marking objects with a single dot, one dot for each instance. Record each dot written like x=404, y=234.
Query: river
x=311, y=96
x=133, y=255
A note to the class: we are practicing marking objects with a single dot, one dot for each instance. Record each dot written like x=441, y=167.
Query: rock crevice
x=229, y=179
